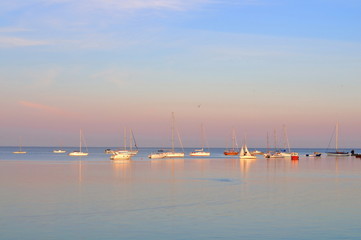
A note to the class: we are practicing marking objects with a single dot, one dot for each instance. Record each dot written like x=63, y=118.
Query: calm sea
x=54, y=196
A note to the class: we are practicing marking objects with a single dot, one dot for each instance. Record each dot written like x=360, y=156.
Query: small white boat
x=79, y=153
x=315, y=154
x=256, y=152
x=337, y=153
x=59, y=151
x=245, y=154
x=199, y=153
x=157, y=155
x=172, y=153
x=276, y=155
x=286, y=154
x=120, y=155
x=20, y=150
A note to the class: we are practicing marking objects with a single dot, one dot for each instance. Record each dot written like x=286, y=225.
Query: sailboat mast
x=233, y=139
x=267, y=142
x=202, y=135
x=80, y=140
x=130, y=140
x=286, y=138
x=172, y=129
x=125, y=138
x=337, y=136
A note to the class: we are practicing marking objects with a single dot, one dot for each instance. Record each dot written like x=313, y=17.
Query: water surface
x=52, y=196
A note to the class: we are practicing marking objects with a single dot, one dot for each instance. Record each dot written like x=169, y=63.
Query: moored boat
x=337, y=152
x=120, y=155
x=59, y=151
x=234, y=150
x=199, y=153
x=315, y=154
x=79, y=153
x=245, y=154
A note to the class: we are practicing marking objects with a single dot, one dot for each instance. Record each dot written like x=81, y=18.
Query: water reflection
x=245, y=165
x=122, y=168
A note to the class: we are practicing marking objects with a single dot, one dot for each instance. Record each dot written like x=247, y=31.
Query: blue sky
x=252, y=65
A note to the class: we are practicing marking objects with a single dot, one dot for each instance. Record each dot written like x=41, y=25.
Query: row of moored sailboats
x=243, y=152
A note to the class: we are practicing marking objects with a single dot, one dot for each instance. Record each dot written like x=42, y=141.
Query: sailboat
x=20, y=150
x=245, y=154
x=232, y=151
x=59, y=150
x=337, y=152
x=277, y=153
x=287, y=153
x=79, y=153
x=172, y=153
x=123, y=154
x=200, y=152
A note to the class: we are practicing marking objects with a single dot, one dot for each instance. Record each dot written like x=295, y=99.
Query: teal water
x=54, y=196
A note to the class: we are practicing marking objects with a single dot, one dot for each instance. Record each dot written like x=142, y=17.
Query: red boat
x=230, y=152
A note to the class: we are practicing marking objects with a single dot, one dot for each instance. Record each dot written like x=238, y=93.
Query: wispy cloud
x=19, y=42
x=45, y=108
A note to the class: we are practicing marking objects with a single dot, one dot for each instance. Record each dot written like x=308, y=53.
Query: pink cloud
x=45, y=108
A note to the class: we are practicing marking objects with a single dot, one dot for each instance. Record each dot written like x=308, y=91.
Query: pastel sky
x=252, y=65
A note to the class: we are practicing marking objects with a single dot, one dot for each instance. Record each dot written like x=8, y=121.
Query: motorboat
x=120, y=155
x=59, y=151
x=315, y=154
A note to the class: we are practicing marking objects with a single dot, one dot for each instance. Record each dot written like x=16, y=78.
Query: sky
x=249, y=65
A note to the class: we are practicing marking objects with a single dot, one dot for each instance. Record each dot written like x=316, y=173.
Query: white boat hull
x=78, y=154
x=59, y=151
x=200, y=154
x=120, y=156
x=284, y=154
x=276, y=155
x=174, y=155
x=339, y=154
x=156, y=155
x=247, y=157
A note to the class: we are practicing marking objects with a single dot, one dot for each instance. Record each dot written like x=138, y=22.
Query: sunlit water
x=54, y=196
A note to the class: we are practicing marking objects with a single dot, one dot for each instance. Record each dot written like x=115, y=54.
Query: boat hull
x=120, y=156
x=59, y=151
x=174, y=155
x=247, y=157
x=200, y=154
x=78, y=154
x=338, y=154
x=230, y=153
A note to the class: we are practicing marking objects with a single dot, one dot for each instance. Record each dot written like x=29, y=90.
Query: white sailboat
x=337, y=152
x=245, y=154
x=20, y=151
x=122, y=154
x=287, y=153
x=172, y=153
x=277, y=153
x=79, y=153
x=200, y=152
